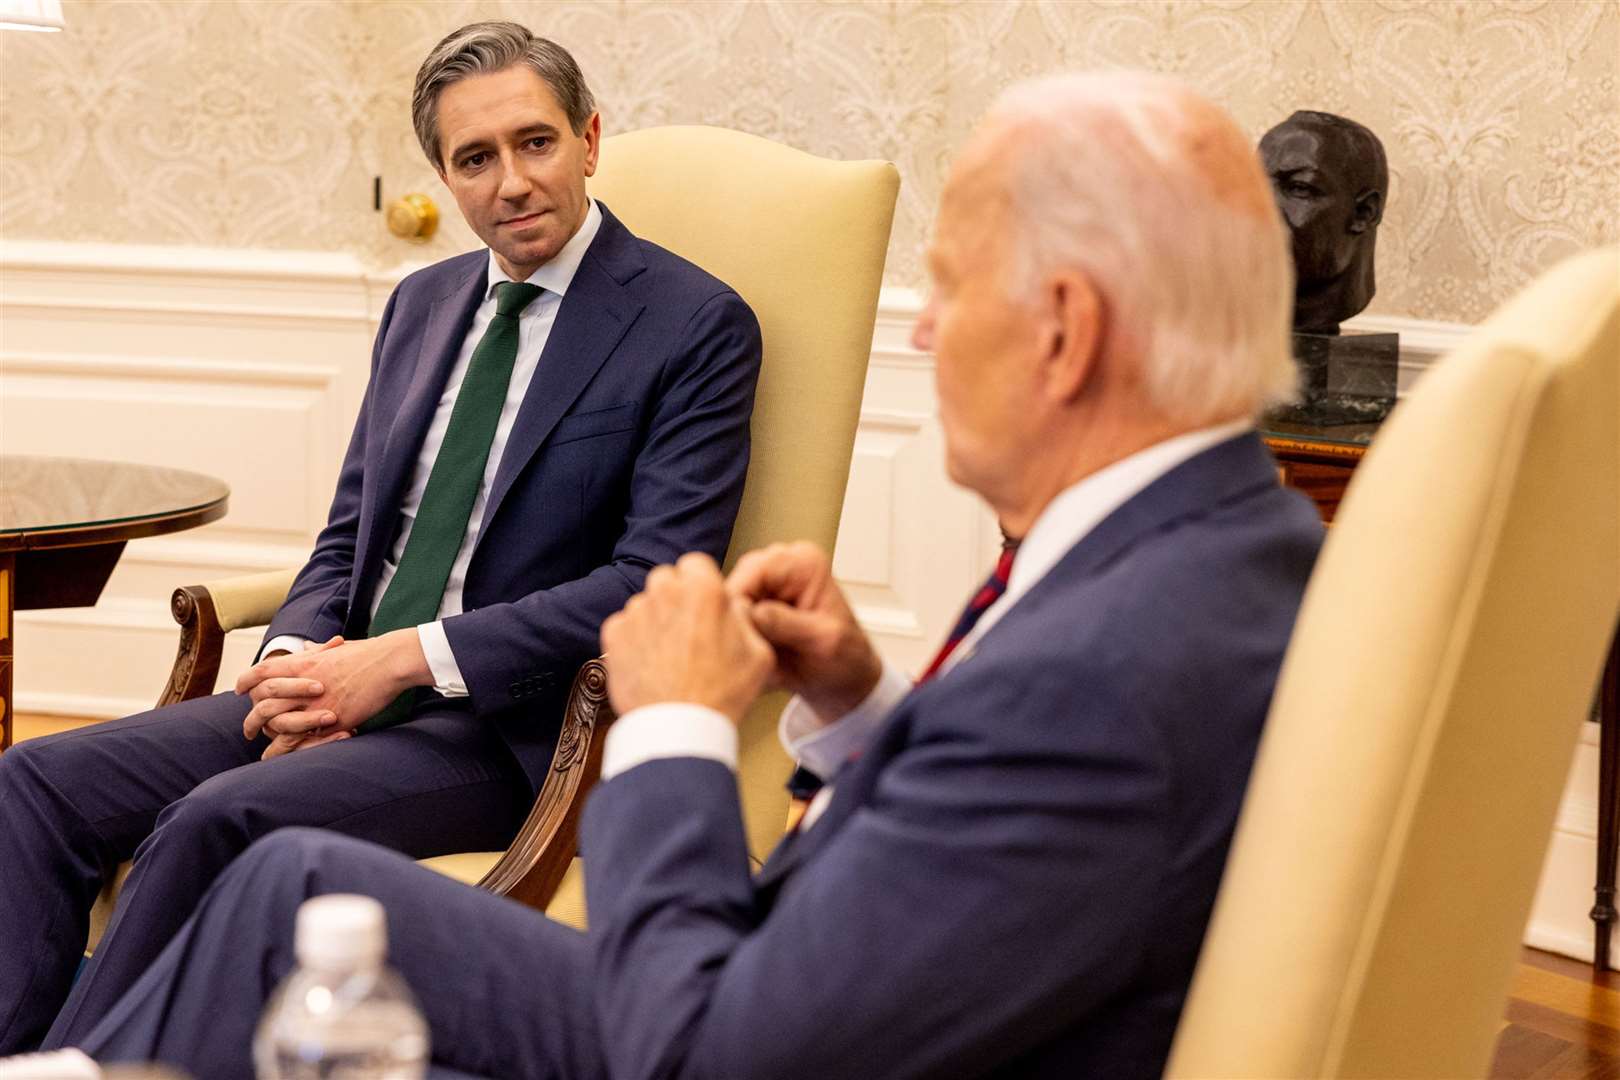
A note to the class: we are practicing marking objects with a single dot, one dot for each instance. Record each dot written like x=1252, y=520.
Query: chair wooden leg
x=1603, y=910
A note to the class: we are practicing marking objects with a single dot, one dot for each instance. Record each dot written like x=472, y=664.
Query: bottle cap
x=340, y=930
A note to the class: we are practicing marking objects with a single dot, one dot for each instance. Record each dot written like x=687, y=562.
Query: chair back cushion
x=802, y=239
x=1444, y=658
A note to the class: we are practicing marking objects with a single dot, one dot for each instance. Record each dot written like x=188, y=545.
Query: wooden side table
x=1319, y=461
x=65, y=521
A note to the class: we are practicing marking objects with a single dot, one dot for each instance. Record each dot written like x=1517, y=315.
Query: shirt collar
x=558, y=273
x=1082, y=506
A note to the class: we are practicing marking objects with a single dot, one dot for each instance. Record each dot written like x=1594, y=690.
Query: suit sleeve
x=895, y=952
x=319, y=598
x=685, y=488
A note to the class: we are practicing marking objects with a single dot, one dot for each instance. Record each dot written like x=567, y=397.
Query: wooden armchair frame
x=533, y=865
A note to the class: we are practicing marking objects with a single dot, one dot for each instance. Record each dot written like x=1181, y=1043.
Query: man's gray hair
x=484, y=48
x=1158, y=197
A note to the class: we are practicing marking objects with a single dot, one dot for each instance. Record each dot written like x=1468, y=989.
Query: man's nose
x=514, y=183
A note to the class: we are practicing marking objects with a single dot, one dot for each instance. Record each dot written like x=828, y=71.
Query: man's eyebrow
x=481, y=143
x=457, y=152
x=538, y=128
x=1300, y=172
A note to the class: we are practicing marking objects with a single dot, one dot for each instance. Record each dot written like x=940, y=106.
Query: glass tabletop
x=45, y=494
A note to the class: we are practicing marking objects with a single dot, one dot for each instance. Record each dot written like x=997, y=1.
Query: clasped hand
x=690, y=636
x=779, y=620
x=320, y=695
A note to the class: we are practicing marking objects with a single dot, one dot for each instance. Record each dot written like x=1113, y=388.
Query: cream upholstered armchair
x=802, y=239
x=1445, y=655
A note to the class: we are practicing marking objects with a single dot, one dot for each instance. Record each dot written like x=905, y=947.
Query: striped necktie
x=416, y=590
x=987, y=595
x=803, y=784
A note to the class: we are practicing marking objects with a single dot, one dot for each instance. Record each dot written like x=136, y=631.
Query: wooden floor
x=1562, y=1022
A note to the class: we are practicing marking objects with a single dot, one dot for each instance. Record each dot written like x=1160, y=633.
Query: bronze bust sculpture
x=1331, y=180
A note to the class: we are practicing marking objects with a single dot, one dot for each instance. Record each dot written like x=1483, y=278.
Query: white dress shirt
x=680, y=729
x=534, y=328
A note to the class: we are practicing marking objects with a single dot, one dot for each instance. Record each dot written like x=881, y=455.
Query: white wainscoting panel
x=248, y=366
x=911, y=544
x=251, y=365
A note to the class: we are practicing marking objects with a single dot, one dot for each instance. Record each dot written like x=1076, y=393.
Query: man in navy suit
x=544, y=422
x=1007, y=868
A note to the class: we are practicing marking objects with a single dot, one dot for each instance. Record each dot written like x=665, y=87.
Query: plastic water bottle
x=343, y=1014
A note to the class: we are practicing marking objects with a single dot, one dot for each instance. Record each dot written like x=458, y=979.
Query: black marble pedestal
x=1347, y=378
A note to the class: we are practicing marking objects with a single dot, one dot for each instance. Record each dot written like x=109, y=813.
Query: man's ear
x=593, y=142
x=1369, y=211
x=1075, y=334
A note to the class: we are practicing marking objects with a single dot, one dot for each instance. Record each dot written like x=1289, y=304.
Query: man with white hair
x=1008, y=866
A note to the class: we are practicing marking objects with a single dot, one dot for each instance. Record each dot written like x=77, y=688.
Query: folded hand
x=684, y=638
x=821, y=652
x=322, y=694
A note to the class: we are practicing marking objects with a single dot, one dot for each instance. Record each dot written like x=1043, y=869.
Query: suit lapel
x=851, y=787
x=445, y=329
x=594, y=315
x=1229, y=470
x=1233, y=469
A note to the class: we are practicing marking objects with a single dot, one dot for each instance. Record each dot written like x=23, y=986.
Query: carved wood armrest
x=206, y=613
x=534, y=864
x=196, y=661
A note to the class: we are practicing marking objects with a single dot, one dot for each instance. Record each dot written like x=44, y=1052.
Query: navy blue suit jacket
x=1014, y=879
x=629, y=449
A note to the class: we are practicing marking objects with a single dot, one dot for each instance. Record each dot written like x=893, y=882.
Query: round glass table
x=64, y=523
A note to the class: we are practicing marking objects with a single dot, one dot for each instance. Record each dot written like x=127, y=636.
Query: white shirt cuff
x=822, y=746
x=290, y=642
x=668, y=729
x=440, y=660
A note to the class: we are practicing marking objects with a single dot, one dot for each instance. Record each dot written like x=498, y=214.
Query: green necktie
x=417, y=587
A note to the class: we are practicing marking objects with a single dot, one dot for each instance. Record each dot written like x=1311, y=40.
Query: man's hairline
x=438, y=95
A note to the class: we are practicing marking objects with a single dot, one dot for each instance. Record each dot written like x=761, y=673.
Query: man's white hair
x=1156, y=195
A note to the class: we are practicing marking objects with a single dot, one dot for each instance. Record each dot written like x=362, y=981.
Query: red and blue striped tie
x=803, y=784
x=987, y=595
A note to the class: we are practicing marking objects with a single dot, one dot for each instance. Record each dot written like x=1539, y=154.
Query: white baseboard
x=1561, y=941
x=90, y=706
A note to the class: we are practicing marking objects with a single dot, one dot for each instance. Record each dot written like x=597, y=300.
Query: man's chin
x=525, y=258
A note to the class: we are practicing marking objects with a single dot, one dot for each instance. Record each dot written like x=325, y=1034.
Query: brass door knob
x=413, y=217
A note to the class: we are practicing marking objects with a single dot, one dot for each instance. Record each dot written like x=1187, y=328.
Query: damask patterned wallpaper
x=260, y=123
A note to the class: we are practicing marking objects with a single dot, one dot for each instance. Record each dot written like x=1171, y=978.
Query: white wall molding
x=233, y=557
x=176, y=368
x=99, y=706
x=278, y=315
x=248, y=365
x=1423, y=341
x=117, y=612
x=239, y=266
